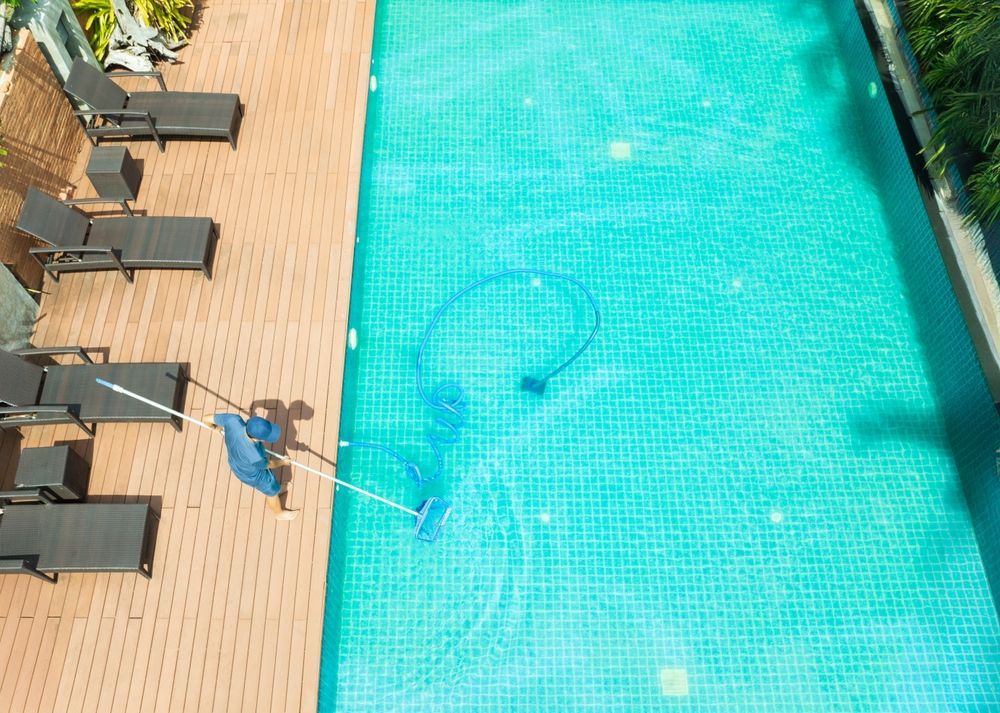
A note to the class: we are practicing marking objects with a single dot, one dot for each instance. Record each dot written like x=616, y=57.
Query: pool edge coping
x=976, y=289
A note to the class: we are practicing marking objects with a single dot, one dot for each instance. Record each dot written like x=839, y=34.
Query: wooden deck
x=232, y=618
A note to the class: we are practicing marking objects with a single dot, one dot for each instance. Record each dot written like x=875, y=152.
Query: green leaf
x=957, y=43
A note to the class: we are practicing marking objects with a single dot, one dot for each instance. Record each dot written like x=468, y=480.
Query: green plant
x=169, y=16
x=100, y=23
x=7, y=9
x=957, y=43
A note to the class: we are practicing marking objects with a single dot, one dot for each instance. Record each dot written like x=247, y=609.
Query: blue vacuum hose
x=448, y=399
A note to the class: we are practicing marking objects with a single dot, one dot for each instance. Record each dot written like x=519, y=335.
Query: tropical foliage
x=7, y=8
x=957, y=43
x=168, y=16
x=99, y=23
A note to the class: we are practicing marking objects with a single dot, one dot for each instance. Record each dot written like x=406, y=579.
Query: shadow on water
x=970, y=422
x=874, y=426
x=898, y=422
x=845, y=92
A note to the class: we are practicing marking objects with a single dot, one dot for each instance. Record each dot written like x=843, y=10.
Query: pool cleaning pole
x=121, y=390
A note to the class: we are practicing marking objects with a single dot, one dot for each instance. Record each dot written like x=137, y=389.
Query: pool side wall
x=933, y=279
x=342, y=506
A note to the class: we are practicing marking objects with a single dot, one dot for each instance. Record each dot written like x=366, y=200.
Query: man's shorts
x=264, y=481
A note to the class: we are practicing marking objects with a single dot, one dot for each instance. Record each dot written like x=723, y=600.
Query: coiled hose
x=449, y=398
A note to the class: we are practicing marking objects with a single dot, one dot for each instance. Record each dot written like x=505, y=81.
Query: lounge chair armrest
x=52, y=351
x=129, y=73
x=38, y=495
x=83, y=249
x=92, y=201
x=112, y=115
x=91, y=249
x=24, y=565
x=112, y=112
x=27, y=412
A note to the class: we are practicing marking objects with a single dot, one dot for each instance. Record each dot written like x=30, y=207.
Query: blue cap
x=263, y=430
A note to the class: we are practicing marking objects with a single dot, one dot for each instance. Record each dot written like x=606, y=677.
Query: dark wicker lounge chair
x=59, y=394
x=82, y=244
x=49, y=537
x=114, y=112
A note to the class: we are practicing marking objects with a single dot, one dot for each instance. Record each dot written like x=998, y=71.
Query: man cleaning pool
x=248, y=459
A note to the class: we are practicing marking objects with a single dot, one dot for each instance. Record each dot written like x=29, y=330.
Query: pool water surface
x=743, y=496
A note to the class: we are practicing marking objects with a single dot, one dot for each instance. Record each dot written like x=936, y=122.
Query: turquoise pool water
x=748, y=477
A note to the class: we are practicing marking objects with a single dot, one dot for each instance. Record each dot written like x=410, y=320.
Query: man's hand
x=210, y=422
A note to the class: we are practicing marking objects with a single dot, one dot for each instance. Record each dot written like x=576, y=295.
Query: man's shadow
x=287, y=417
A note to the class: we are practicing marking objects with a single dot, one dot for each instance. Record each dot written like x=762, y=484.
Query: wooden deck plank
x=232, y=618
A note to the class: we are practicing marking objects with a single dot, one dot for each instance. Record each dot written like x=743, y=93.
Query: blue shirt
x=247, y=458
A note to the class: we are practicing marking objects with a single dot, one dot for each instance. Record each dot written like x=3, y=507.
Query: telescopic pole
x=121, y=390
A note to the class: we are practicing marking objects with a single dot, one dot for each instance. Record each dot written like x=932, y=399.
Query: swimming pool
x=744, y=496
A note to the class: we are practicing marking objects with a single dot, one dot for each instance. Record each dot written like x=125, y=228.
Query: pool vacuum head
x=431, y=517
x=535, y=386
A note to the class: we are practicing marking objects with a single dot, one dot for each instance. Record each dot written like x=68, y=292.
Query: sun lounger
x=111, y=111
x=81, y=244
x=59, y=394
x=51, y=537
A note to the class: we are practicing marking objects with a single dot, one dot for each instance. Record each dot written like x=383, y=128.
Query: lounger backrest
x=47, y=219
x=20, y=381
x=89, y=84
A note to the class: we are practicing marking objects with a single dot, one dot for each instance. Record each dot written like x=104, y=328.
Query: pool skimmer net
x=431, y=517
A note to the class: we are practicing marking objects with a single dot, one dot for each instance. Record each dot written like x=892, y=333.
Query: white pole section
x=121, y=390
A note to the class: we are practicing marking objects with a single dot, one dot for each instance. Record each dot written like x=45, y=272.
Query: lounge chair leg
x=178, y=404
x=50, y=578
x=205, y=268
x=124, y=273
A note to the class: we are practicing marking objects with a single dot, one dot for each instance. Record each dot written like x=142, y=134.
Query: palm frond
x=957, y=43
